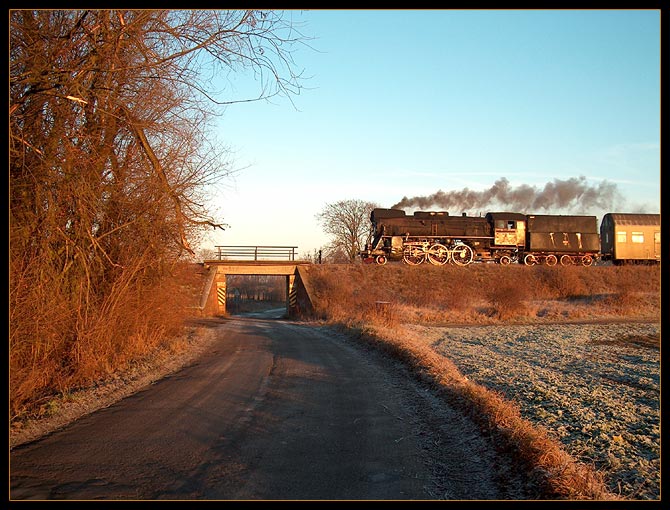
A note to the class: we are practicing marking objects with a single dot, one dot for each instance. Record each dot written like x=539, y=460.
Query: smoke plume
x=572, y=195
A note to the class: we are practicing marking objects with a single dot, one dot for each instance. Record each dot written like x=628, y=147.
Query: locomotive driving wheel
x=530, y=260
x=438, y=254
x=551, y=260
x=413, y=254
x=566, y=260
x=462, y=255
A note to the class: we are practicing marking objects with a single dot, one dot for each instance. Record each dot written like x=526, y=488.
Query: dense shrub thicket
x=111, y=165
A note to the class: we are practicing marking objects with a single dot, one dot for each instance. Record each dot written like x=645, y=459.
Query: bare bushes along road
x=272, y=410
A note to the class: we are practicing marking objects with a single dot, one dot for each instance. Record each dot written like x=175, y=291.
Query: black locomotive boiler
x=502, y=237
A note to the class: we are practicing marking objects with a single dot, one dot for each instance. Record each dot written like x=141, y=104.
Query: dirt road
x=275, y=410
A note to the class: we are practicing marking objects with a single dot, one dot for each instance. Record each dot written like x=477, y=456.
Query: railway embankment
x=484, y=293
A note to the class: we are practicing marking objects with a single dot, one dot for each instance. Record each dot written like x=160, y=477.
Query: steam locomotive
x=505, y=237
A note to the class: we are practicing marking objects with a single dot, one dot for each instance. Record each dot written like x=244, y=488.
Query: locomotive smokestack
x=573, y=194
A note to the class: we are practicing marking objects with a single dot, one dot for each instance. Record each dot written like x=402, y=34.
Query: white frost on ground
x=595, y=387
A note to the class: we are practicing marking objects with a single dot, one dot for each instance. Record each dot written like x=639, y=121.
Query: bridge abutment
x=213, y=301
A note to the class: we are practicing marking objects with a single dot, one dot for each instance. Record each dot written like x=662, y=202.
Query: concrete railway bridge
x=254, y=261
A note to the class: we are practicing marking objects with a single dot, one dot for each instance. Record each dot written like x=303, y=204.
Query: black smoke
x=572, y=195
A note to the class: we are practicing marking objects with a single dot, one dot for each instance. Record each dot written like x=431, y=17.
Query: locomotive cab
x=508, y=229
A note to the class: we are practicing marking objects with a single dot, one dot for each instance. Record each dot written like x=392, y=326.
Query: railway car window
x=621, y=237
x=506, y=224
x=657, y=237
x=637, y=237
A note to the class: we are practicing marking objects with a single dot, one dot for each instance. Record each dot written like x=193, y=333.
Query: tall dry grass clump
x=62, y=338
x=562, y=281
x=508, y=300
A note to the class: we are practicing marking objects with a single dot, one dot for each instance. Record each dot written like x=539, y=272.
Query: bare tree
x=110, y=165
x=334, y=254
x=348, y=224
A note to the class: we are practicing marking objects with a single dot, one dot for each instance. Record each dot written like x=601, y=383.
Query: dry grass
x=349, y=296
x=55, y=349
x=481, y=294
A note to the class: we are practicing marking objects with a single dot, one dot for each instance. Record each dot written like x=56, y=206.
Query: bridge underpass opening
x=260, y=295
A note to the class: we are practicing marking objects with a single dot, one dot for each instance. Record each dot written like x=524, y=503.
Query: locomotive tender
x=501, y=237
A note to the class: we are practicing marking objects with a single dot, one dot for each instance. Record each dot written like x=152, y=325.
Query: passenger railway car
x=631, y=238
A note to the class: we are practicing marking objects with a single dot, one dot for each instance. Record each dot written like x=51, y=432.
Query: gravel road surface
x=272, y=410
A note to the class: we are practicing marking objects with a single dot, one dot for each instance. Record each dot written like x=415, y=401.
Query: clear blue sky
x=407, y=103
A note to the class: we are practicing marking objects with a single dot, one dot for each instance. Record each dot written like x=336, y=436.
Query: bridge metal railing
x=256, y=252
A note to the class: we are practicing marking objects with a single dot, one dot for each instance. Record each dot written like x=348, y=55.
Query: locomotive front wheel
x=462, y=255
x=551, y=260
x=587, y=260
x=438, y=254
x=566, y=260
x=530, y=260
x=505, y=260
x=381, y=260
